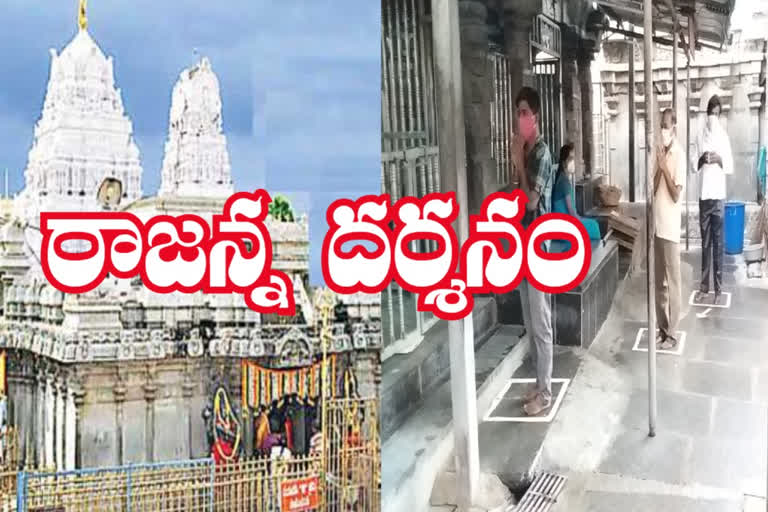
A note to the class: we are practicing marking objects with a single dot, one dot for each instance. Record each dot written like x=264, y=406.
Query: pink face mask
x=527, y=124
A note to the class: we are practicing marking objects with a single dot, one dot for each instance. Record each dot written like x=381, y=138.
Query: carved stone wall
x=105, y=414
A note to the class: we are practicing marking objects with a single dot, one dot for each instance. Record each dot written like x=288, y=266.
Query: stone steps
x=408, y=378
x=421, y=447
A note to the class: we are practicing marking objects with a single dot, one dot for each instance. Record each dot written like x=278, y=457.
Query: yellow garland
x=303, y=381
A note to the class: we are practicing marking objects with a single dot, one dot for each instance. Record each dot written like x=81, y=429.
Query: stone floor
x=415, y=452
x=710, y=449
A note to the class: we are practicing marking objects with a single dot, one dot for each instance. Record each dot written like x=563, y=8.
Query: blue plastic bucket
x=734, y=227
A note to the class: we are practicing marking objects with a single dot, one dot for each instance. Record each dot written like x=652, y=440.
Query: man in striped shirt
x=533, y=167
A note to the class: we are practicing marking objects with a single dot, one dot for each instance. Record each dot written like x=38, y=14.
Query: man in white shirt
x=713, y=160
x=668, y=183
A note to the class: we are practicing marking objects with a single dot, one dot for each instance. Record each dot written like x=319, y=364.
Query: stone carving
x=294, y=348
x=256, y=345
x=196, y=160
x=83, y=349
x=127, y=348
x=195, y=343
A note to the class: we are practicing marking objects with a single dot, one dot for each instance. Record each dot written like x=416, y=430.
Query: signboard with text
x=299, y=495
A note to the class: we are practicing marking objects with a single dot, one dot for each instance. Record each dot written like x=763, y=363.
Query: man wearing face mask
x=667, y=185
x=533, y=167
x=713, y=161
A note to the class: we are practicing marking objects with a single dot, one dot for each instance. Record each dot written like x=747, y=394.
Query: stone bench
x=578, y=315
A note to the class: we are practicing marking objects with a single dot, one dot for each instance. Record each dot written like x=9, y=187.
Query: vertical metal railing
x=548, y=84
x=501, y=116
x=409, y=163
x=346, y=475
x=546, y=50
x=602, y=150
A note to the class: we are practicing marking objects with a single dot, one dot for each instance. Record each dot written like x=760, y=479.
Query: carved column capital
x=119, y=391
x=188, y=385
x=150, y=391
x=150, y=385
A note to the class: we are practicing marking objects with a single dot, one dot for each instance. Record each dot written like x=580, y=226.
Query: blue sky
x=300, y=84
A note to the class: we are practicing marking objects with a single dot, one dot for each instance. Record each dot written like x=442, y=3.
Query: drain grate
x=542, y=494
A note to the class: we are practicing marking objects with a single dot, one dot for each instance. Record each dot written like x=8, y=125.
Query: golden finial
x=82, y=19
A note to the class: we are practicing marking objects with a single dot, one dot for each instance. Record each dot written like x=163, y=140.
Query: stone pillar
x=150, y=393
x=70, y=430
x=481, y=169
x=40, y=419
x=518, y=23
x=78, y=397
x=50, y=412
x=61, y=400
x=587, y=129
x=453, y=177
x=187, y=391
x=572, y=97
x=119, y=392
x=23, y=409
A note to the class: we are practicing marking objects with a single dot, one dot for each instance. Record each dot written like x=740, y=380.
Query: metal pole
x=453, y=178
x=650, y=144
x=631, y=46
x=687, y=155
x=675, y=38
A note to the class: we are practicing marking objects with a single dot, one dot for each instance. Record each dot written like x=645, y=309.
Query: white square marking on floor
x=726, y=296
x=522, y=418
x=677, y=352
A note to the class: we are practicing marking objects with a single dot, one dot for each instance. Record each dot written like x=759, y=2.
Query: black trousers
x=711, y=213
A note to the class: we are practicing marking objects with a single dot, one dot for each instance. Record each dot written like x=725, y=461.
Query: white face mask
x=666, y=136
x=570, y=167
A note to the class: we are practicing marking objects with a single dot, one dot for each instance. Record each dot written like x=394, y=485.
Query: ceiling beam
x=661, y=40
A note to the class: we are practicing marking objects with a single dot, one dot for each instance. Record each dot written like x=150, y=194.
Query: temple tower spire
x=196, y=161
x=83, y=134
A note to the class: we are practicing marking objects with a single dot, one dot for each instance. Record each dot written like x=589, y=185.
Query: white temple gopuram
x=83, y=136
x=196, y=160
x=121, y=374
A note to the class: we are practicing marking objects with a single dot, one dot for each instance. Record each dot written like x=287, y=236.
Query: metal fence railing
x=353, y=456
x=269, y=485
x=502, y=110
x=182, y=485
x=9, y=460
x=344, y=474
x=409, y=152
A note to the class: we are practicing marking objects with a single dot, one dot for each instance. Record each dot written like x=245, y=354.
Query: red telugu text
x=414, y=244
